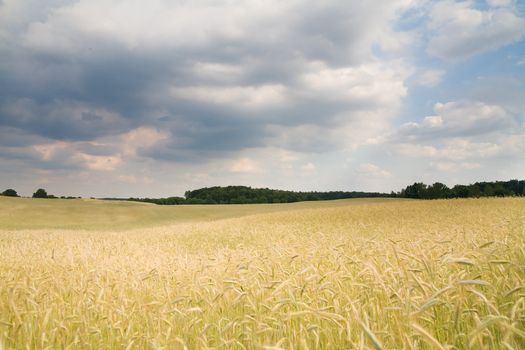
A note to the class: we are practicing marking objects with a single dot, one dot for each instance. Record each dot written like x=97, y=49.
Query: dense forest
x=248, y=195
x=479, y=189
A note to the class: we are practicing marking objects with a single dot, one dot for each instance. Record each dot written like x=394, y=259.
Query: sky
x=152, y=98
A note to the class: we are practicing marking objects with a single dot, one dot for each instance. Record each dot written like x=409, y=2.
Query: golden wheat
x=395, y=275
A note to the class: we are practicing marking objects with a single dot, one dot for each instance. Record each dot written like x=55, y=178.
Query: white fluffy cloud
x=464, y=118
x=460, y=30
x=376, y=83
x=200, y=24
x=462, y=136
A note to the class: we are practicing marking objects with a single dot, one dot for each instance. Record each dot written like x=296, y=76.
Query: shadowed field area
x=358, y=274
x=88, y=214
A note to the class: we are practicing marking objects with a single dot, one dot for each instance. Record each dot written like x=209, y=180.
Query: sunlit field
x=354, y=274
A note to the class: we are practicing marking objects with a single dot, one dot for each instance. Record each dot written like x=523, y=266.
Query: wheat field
x=365, y=274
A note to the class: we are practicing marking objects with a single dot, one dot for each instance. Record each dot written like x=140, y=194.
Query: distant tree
x=488, y=191
x=438, y=190
x=474, y=191
x=479, y=189
x=501, y=191
x=460, y=191
x=417, y=190
x=513, y=186
x=40, y=193
x=9, y=193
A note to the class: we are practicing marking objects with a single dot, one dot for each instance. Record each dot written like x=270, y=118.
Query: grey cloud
x=194, y=140
x=14, y=137
x=61, y=81
x=59, y=120
x=90, y=117
x=97, y=149
x=29, y=156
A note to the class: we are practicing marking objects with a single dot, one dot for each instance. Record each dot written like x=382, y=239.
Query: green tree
x=513, y=187
x=417, y=190
x=40, y=193
x=501, y=191
x=474, y=191
x=460, y=191
x=438, y=190
x=9, y=193
x=488, y=191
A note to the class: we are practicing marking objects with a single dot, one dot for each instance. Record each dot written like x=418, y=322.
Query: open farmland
x=87, y=214
x=354, y=274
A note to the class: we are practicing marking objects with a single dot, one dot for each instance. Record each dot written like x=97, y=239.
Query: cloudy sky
x=152, y=98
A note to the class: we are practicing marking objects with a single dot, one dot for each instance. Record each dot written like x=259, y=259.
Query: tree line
x=419, y=190
x=40, y=193
x=249, y=195
x=439, y=190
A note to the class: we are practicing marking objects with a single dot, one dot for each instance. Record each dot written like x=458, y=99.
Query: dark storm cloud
x=61, y=81
x=14, y=137
x=18, y=155
x=58, y=120
x=204, y=136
